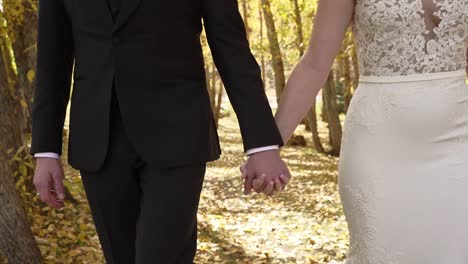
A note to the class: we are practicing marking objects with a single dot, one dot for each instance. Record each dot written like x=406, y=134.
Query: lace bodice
x=408, y=37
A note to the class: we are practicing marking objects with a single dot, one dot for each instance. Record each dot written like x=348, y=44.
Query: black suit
x=153, y=54
x=114, y=7
x=148, y=57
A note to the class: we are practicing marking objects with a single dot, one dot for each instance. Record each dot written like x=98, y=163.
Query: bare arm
x=331, y=23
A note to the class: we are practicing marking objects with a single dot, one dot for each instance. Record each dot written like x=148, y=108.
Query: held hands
x=265, y=172
x=48, y=179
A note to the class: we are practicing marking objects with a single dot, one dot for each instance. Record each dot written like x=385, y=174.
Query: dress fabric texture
x=403, y=173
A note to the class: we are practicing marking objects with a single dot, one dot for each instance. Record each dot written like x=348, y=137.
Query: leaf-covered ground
x=305, y=224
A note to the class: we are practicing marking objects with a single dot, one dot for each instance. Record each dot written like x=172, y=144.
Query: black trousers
x=143, y=214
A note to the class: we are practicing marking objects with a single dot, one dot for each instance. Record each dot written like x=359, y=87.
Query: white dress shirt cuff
x=47, y=155
x=257, y=150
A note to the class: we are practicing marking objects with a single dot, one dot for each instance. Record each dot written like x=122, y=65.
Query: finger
x=248, y=184
x=243, y=166
x=42, y=189
x=285, y=179
x=278, y=185
x=269, y=188
x=273, y=193
x=54, y=201
x=243, y=170
x=258, y=183
x=59, y=188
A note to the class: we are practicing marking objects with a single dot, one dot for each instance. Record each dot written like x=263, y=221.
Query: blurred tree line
x=278, y=31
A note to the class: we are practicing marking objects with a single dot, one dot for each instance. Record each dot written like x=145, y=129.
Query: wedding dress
x=404, y=162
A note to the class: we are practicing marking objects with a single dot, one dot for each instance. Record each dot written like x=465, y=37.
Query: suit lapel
x=126, y=10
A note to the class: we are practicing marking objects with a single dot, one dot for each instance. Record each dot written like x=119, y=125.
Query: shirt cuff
x=257, y=150
x=47, y=155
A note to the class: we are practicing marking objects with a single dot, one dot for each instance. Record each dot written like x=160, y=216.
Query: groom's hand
x=265, y=172
x=48, y=180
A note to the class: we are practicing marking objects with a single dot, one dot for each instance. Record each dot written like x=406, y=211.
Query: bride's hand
x=273, y=187
x=260, y=185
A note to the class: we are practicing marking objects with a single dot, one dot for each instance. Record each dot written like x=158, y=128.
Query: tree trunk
x=262, y=56
x=219, y=101
x=347, y=86
x=215, y=90
x=245, y=9
x=311, y=117
x=23, y=34
x=275, y=50
x=9, y=72
x=17, y=242
x=213, y=86
x=354, y=63
x=333, y=116
x=312, y=121
x=298, y=22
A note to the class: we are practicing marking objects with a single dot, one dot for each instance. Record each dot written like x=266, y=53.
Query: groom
x=141, y=127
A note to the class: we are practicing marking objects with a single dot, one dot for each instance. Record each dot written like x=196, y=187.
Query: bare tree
x=275, y=50
x=332, y=115
x=21, y=30
x=311, y=118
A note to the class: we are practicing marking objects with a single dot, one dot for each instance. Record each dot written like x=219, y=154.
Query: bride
x=403, y=173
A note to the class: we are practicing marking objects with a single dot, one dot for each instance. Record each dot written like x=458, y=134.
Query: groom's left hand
x=265, y=172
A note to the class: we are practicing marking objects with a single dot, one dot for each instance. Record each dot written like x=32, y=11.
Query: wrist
x=46, y=160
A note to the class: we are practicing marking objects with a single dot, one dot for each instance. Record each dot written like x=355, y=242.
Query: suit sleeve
x=240, y=73
x=53, y=77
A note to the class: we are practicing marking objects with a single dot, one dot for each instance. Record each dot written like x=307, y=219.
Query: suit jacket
x=152, y=55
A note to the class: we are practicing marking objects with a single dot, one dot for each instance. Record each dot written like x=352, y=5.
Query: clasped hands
x=265, y=172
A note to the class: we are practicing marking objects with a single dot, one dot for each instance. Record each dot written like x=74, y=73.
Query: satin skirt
x=403, y=173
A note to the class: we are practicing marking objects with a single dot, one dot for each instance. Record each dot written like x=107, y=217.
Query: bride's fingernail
x=61, y=196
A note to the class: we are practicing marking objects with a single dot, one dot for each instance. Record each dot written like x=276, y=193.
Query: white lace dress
x=404, y=162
